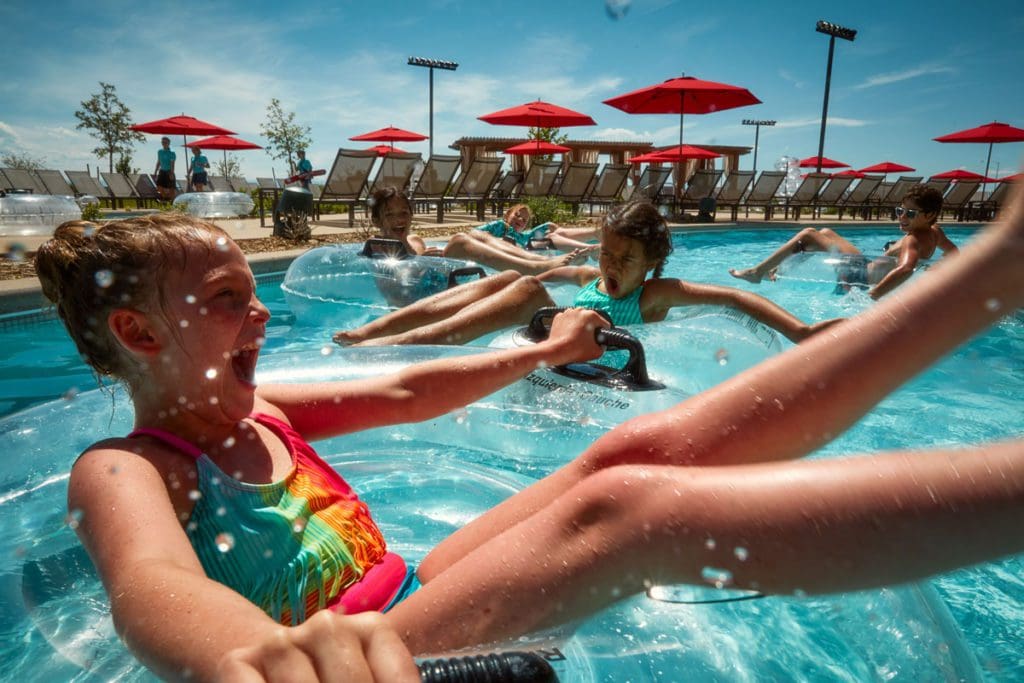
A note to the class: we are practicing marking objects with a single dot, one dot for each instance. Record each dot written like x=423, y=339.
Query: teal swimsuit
x=625, y=311
x=503, y=230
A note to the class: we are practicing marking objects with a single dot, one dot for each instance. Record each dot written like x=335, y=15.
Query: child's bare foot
x=346, y=338
x=748, y=274
x=575, y=257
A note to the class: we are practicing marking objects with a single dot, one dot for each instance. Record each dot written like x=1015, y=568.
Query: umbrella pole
x=188, y=176
x=987, y=162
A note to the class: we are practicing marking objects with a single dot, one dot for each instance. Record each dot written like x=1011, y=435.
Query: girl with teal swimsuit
x=181, y=325
x=635, y=242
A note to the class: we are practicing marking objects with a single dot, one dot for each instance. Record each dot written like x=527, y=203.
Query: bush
x=549, y=210
x=92, y=212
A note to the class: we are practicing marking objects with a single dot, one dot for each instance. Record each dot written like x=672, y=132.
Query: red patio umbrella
x=991, y=133
x=886, y=167
x=850, y=173
x=1012, y=178
x=535, y=147
x=683, y=95
x=181, y=125
x=389, y=134
x=384, y=150
x=538, y=115
x=225, y=143
x=675, y=154
x=812, y=162
x=961, y=174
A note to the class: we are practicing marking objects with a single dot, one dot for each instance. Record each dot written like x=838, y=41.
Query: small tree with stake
x=108, y=120
x=285, y=136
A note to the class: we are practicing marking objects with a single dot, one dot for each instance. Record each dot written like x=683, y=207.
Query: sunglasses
x=911, y=213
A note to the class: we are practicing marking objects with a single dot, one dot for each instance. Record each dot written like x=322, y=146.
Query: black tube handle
x=380, y=247
x=499, y=667
x=540, y=325
x=453, y=277
x=618, y=338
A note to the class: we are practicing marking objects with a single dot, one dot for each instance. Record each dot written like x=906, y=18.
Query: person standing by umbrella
x=164, y=171
x=199, y=165
x=304, y=169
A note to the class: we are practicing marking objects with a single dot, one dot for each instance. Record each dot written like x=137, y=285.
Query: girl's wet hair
x=88, y=270
x=380, y=198
x=640, y=220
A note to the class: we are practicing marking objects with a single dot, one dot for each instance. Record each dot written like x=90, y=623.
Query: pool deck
x=25, y=295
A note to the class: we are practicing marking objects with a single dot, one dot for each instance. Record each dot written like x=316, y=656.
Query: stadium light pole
x=757, y=123
x=432, y=64
x=833, y=31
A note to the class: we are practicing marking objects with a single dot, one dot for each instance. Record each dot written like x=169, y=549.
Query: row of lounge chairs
x=110, y=188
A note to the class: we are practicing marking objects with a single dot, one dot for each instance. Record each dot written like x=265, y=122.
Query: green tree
x=108, y=120
x=229, y=166
x=552, y=135
x=21, y=160
x=285, y=136
x=124, y=164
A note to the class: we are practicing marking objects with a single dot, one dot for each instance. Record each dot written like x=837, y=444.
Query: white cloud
x=832, y=121
x=905, y=75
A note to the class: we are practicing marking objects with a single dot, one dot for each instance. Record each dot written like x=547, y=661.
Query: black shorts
x=200, y=179
x=165, y=179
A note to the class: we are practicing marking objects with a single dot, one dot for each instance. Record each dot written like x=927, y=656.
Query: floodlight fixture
x=432, y=64
x=757, y=123
x=828, y=28
x=833, y=31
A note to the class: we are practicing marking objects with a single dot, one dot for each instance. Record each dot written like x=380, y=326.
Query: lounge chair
x=348, y=181
x=894, y=196
x=21, y=179
x=805, y=194
x=219, y=183
x=986, y=209
x=857, y=199
x=268, y=183
x=395, y=171
x=575, y=183
x=650, y=183
x=240, y=184
x=701, y=186
x=84, y=183
x=763, y=192
x=506, y=190
x=435, y=181
x=730, y=194
x=119, y=188
x=55, y=182
x=830, y=195
x=540, y=178
x=941, y=185
x=957, y=200
x=476, y=181
x=607, y=187
x=145, y=188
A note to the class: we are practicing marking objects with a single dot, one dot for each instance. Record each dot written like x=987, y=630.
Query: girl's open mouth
x=243, y=363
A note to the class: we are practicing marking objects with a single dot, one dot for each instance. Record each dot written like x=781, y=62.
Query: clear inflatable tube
x=215, y=204
x=36, y=214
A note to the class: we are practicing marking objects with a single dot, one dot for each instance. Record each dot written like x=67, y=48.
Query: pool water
x=972, y=395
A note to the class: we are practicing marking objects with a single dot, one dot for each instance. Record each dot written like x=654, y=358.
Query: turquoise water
x=906, y=633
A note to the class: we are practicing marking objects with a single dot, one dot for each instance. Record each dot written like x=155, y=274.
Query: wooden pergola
x=591, y=151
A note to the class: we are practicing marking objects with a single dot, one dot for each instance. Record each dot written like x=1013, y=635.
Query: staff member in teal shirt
x=304, y=166
x=199, y=166
x=164, y=170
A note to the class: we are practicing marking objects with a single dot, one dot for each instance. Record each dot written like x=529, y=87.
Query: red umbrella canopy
x=538, y=114
x=181, y=125
x=384, y=150
x=675, y=154
x=849, y=173
x=390, y=134
x=812, y=162
x=225, y=142
x=534, y=147
x=990, y=132
x=886, y=167
x=961, y=174
x=1012, y=178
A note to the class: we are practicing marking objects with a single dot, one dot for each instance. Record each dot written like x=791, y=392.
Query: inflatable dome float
x=35, y=214
x=349, y=284
x=214, y=204
x=57, y=617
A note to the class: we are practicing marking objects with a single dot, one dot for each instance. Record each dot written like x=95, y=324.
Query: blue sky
x=914, y=72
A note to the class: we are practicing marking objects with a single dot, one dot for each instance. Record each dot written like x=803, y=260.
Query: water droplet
x=203, y=310
x=221, y=511
x=542, y=364
x=719, y=578
x=741, y=553
x=268, y=553
x=461, y=416
x=299, y=526
x=194, y=495
x=104, y=278
x=224, y=541
x=183, y=323
x=326, y=350
x=190, y=298
x=211, y=373
x=617, y=9
x=992, y=305
x=710, y=544
x=222, y=244
x=722, y=356
x=70, y=394
x=213, y=400
x=229, y=442
x=73, y=518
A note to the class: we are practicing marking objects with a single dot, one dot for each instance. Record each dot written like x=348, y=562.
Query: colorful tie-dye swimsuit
x=293, y=546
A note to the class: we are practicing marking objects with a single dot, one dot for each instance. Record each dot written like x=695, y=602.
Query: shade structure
x=991, y=133
x=850, y=173
x=961, y=174
x=225, y=143
x=675, y=154
x=812, y=162
x=184, y=126
x=886, y=167
x=536, y=147
x=683, y=95
x=389, y=134
x=538, y=115
x=383, y=150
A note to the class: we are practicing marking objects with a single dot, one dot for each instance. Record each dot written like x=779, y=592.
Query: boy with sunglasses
x=917, y=214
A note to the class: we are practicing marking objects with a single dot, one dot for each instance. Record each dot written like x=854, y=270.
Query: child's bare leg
x=513, y=305
x=812, y=526
x=808, y=239
x=460, y=246
x=789, y=405
x=430, y=310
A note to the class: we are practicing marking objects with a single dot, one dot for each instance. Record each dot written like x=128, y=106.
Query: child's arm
x=421, y=249
x=578, y=275
x=660, y=295
x=945, y=244
x=909, y=256
x=426, y=390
